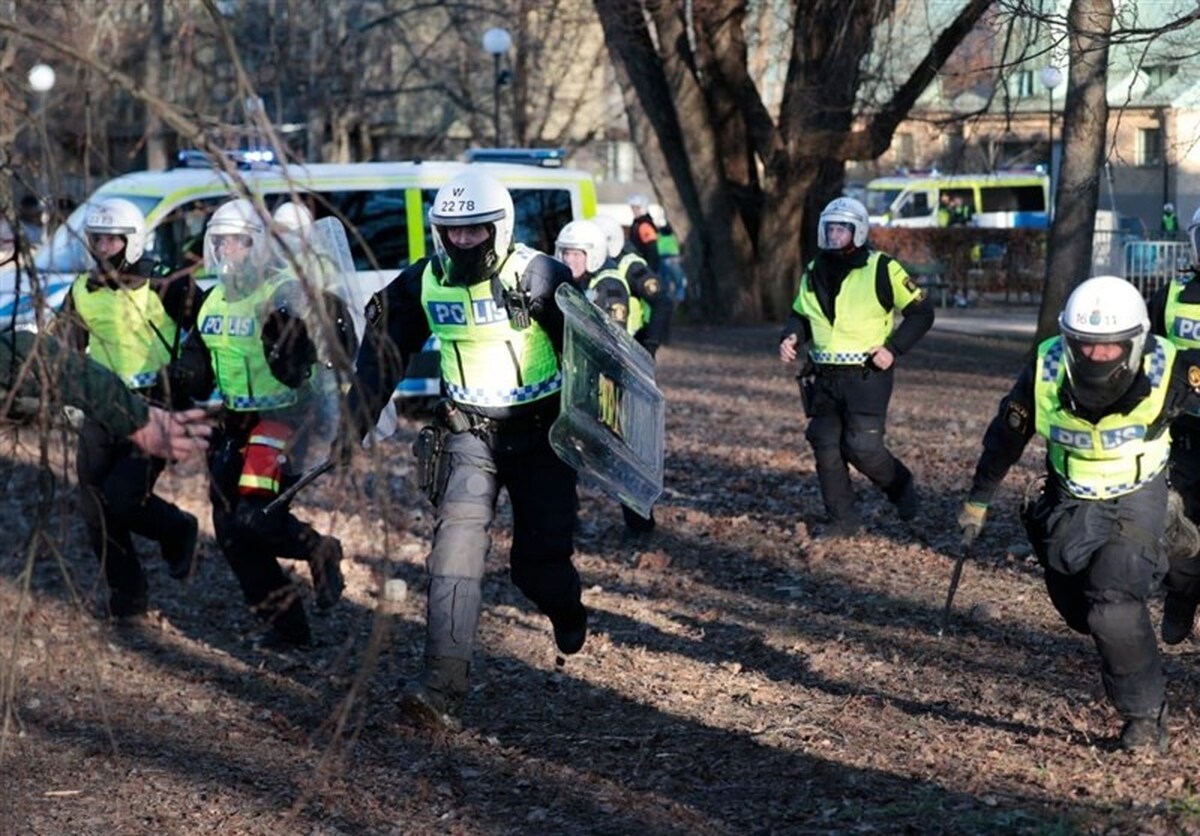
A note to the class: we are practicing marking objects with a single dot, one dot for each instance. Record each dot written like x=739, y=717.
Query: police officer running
x=1175, y=315
x=129, y=319
x=490, y=302
x=842, y=319
x=252, y=344
x=1102, y=394
x=583, y=246
x=644, y=286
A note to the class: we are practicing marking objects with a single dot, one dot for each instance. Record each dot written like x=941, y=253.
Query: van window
x=541, y=213
x=879, y=201
x=381, y=223
x=1013, y=198
x=916, y=205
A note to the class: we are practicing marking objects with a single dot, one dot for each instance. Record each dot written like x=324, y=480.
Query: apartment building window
x=1150, y=146
x=1023, y=84
x=619, y=159
x=905, y=149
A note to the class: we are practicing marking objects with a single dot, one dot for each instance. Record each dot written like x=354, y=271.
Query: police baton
x=955, y=576
x=303, y=482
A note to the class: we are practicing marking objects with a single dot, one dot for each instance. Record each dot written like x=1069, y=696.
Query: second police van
x=384, y=205
x=1003, y=199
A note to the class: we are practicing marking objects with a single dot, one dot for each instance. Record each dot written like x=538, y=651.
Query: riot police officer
x=129, y=318
x=1175, y=315
x=583, y=246
x=490, y=301
x=251, y=343
x=1102, y=394
x=842, y=320
x=644, y=286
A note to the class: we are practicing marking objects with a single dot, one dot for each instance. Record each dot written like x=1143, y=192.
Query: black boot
x=434, y=700
x=326, y=566
x=179, y=551
x=1179, y=614
x=903, y=494
x=1148, y=733
x=570, y=629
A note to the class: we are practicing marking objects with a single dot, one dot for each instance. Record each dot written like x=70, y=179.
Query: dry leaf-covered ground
x=741, y=677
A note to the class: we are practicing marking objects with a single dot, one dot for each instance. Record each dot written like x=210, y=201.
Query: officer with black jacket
x=583, y=246
x=129, y=319
x=491, y=304
x=644, y=286
x=252, y=344
x=1175, y=315
x=842, y=320
x=1102, y=394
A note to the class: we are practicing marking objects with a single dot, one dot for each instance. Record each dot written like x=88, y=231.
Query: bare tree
x=1085, y=129
x=738, y=181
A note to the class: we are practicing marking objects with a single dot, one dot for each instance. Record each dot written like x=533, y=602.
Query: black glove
x=343, y=325
x=290, y=352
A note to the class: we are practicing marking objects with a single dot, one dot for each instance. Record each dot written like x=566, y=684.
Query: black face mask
x=1097, y=385
x=470, y=266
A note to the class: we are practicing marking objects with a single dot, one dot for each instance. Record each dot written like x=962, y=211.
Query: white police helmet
x=1168, y=207
x=470, y=199
x=1104, y=309
x=118, y=216
x=613, y=232
x=844, y=210
x=292, y=217
x=587, y=237
x=241, y=218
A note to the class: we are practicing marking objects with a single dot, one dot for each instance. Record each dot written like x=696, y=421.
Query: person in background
x=1175, y=315
x=129, y=318
x=671, y=263
x=643, y=284
x=842, y=320
x=583, y=246
x=643, y=233
x=1170, y=222
x=1102, y=394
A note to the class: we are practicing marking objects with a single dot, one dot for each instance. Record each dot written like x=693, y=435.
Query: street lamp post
x=496, y=42
x=1051, y=77
x=41, y=79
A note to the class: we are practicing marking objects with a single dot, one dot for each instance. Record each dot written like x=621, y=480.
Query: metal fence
x=1151, y=264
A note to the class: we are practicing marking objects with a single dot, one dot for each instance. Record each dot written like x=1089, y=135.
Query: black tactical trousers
x=541, y=490
x=1183, y=576
x=1103, y=562
x=117, y=500
x=847, y=412
x=252, y=541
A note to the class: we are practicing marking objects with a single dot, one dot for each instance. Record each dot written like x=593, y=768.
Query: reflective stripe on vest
x=1182, y=320
x=859, y=321
x=129, y=331
x=484, y=360
x=1114, y=456
x=231, y=332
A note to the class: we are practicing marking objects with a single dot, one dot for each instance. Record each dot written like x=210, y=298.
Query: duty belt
x=839, y=358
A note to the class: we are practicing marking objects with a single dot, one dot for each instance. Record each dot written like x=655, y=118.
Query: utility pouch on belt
x=807, y=380
x=432, y=465
x=264, y=459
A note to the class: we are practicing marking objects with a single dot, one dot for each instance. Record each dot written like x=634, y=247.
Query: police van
x=384, y=206
x=1002, y=199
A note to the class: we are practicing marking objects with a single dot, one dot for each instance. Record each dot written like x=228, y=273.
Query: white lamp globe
x=496, y=41
x=41, y=78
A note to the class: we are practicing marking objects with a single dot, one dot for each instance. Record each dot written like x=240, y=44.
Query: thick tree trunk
x=156, y=141
x=1085, y=133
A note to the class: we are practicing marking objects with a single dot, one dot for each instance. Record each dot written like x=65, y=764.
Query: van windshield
x=1013, y=198
x=880, y=201
x=65, y=251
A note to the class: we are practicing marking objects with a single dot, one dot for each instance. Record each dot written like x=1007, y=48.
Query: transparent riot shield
x=613, y=416
x=321, y=259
